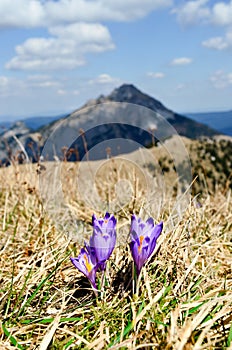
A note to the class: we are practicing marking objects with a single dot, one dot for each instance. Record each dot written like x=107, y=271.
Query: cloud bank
x=35, y=13
x=74, y=29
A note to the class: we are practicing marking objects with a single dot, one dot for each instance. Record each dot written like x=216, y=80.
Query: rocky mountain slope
x=118, y=123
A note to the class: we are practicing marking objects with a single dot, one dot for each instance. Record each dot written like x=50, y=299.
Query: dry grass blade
x=49, y=334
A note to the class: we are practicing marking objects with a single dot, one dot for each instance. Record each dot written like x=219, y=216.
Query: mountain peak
x=124, y=93
x=130, y=94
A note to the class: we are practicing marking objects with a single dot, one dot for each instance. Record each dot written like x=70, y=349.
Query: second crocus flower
x=143, y=240
x=103, y=239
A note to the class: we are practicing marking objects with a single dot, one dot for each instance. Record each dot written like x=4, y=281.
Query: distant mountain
x=4, y=125
x=221, y=121
x=35, y=123
x=19, y=142
x=122, y=121
x=32, y=123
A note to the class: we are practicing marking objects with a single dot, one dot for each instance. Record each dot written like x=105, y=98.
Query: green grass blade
x=29, y=300
x=229, y=340
x=12, y=339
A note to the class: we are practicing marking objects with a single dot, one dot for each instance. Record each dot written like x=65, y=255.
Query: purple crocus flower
x=86, y=262
x=103, y=239
x=143, y=240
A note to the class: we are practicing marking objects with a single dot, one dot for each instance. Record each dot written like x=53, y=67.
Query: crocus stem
x=138, y=279
x=134, y=280
x=95, y=292
x=102, y=283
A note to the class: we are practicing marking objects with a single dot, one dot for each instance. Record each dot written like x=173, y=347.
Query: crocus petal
x=144, y=255
x=134, y=224
x=94, y=218
x=150, y=223
x=156, y=231
x=135, y=237
x=107, y=216
x=92, y=253
x=111, y=222
x=134, y=252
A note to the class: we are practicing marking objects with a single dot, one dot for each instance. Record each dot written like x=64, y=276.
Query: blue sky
x=55, y=55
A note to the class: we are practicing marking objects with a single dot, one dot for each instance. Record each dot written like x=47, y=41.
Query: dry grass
x=185, y=297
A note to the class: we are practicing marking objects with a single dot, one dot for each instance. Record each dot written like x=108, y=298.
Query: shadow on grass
x=122, y=281
x=82, y=290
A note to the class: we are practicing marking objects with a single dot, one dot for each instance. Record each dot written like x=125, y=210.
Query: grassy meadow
x=185, y=295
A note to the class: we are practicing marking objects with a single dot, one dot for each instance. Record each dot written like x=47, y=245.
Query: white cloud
x=219, y=14
x=221, y=80
x=222, y=13
x=4, y=81
x=42, y=81
x=180, y=86
x=69, y=92
x=156, y=75
x=64, y=50
x=82, y=10
x=35, y=13
x=192, y=12
x=47, y=84
x=38, y=77
x=181, y=61
x=27, y=13
x=10, y=86
x=44, y=84
x=197, y=11
x=34, y=63
x=219, y=43
x=61, y=92
x=82, y=32
x=104, y=79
